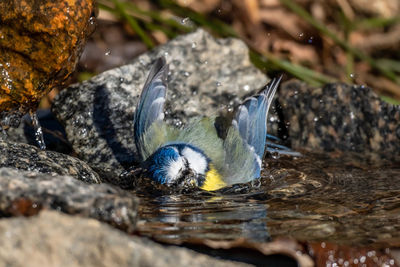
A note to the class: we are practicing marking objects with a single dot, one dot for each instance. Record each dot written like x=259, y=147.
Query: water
x=38, y=130
x=338, y=198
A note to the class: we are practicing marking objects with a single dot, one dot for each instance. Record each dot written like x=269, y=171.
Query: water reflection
x=336, y=198
x=221, y=217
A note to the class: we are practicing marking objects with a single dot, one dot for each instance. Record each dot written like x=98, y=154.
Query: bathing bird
x=196, y=155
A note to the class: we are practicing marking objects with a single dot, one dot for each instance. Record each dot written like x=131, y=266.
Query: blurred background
x=352, y=41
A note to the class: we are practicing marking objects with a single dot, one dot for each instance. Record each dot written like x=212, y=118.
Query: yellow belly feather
x=213, y=180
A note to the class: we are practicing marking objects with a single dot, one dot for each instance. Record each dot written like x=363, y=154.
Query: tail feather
x=151, y=103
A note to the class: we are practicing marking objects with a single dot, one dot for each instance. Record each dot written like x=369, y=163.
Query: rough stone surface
x=26, y=193
x=30, y=158
x=340, y=117
x=40, y=43
x=60, y=240
x=205, y=74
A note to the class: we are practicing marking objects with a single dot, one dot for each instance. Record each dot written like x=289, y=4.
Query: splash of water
x=38, y=130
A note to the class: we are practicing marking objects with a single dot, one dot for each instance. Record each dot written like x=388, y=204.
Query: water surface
x=339, y=198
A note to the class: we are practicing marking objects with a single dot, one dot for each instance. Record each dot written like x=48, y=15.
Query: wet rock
x=40, y=43
x=26, y=193
x=205, y=74
x=61, y=240
x=27, y=157
x=340, y=117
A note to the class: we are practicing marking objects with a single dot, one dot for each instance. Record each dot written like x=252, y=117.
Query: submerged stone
x=98, y=114
x=40, y=43
x=26, y=193
x=30, y=158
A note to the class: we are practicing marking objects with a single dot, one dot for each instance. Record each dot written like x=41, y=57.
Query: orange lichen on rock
x=40, y=43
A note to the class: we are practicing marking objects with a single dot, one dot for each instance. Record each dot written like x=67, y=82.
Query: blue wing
x=151, y=103
x=251, y=119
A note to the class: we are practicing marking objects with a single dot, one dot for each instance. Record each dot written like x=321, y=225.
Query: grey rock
x=205, y=75
x=340, y=117
x=54, y=239
x=27, y=192
x=30, y=158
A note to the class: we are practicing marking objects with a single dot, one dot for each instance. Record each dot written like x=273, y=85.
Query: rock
x=61, y=240
x=26, y=193
x=27, y=157
x=40, y=43
x=205, y=75
x=340, y=117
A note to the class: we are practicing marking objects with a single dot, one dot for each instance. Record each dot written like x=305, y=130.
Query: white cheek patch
x=174, y=168
x=196, y=160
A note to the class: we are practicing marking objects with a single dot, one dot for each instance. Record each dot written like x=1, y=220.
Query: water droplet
x=271, y=177
x=194, y=45
x=275, y=155
x=301, y=34
x=186, y=74
x=83, y=132
x=38, y=131
x=311, y=39
x=177, y=122
x=185, y=20
x=246, y=87
x=256, y=183
x=218, y=84
x=352, y=75
x=92, y=20
x=107, y=53
x=121, y=80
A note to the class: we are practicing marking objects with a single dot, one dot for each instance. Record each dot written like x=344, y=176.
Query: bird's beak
x=189, y=179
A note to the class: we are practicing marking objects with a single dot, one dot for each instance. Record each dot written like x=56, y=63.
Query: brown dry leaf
x=270, y=3
x=201, y=6
x=248, y=10
x=384, y=8
x=297, y=52
x=377, y=41
x=282, y=19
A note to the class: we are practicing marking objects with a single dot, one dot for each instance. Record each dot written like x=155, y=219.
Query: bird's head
x=182, y=165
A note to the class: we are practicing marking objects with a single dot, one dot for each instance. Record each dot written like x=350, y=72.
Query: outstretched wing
x=151, y=103
x=251, y=121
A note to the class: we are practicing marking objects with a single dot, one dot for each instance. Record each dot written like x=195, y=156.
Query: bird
x=197, y=155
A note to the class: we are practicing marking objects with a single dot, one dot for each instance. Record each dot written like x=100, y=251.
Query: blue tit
x=196, y=156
